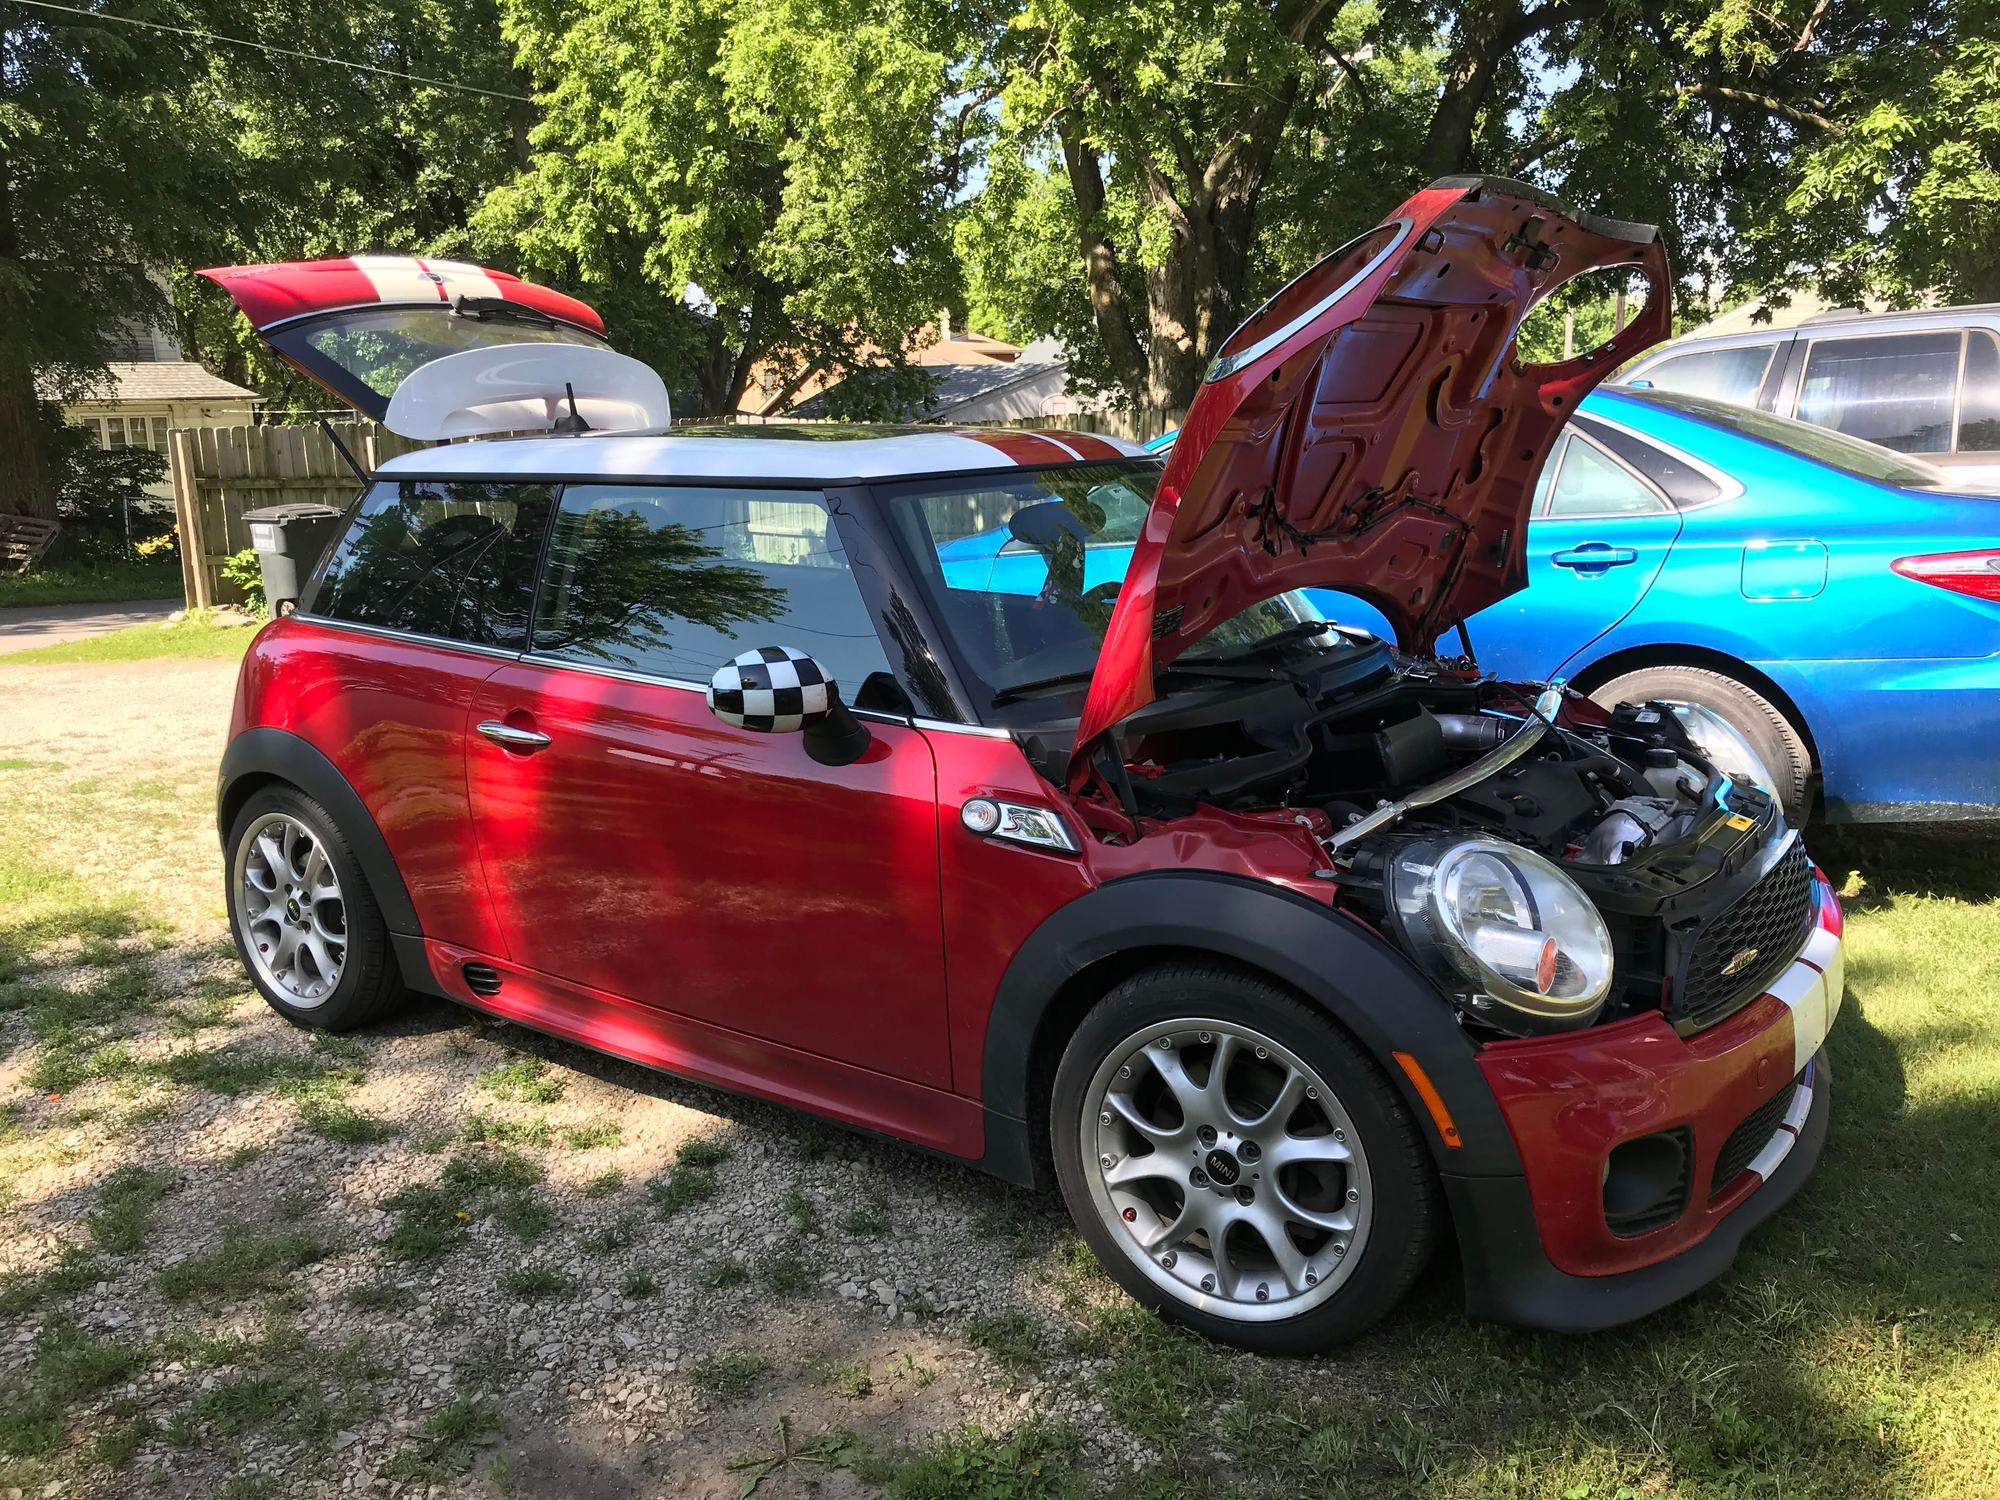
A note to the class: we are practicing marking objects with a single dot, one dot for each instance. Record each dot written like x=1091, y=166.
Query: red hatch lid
x=272, y=293
x=1370, y=430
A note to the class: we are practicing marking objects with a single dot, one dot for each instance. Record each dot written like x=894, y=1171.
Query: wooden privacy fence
x=221, y=472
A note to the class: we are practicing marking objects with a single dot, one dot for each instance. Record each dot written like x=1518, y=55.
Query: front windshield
x=1023, y=567
x=1851, y=455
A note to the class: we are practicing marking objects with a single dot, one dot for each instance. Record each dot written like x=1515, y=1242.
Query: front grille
x=1752, y=1136
x=1771, y=918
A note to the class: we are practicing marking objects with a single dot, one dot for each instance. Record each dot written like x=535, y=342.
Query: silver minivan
x=1925, y=382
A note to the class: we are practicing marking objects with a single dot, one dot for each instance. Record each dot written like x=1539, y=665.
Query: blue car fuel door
x=1598, y=536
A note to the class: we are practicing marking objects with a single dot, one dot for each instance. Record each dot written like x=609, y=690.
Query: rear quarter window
x=454, y=560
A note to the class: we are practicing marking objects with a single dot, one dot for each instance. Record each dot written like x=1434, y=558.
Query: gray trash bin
x=289, y=540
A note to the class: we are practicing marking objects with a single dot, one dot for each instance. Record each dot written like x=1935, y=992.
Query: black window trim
x=1727, y=488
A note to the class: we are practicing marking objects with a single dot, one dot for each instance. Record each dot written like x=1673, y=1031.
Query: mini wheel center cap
x=292, y=908
x=1222, y=1167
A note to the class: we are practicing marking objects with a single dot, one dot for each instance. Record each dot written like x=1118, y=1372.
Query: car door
x=1598, y=537
x=636, y=845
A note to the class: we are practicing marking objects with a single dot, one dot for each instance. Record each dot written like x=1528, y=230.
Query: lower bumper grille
x=1747, y=1139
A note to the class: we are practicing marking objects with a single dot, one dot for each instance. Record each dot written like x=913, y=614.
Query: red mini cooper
x=997, y=792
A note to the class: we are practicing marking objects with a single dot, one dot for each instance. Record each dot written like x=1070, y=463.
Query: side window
x=453, y=560
x=1979, y=404
x=1547, y=479
x=674, y=581
x=1591, y=484
x=1720, y=374
x=1893, y=389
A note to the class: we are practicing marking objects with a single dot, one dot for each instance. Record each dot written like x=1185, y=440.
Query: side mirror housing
x=782, y=690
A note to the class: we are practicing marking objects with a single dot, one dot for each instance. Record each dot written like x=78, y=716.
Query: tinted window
x=452, y=560
x=1679, y=480
x=1979, y=406
x=1850, y=455
x=1591, y=484
x=1895, y=389
x=1723, y=374
x=1023, y=569
x=674, y=582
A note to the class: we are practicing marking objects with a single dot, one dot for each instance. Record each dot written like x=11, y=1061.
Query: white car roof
x=802, y=454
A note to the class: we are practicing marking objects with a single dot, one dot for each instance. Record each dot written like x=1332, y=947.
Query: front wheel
x=306, y=925
x=1238, y=1163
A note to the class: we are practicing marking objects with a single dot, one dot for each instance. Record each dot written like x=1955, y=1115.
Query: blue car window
x=1590, y=483
x=1979, y=405
x=1892, y=389
x=1724, y=374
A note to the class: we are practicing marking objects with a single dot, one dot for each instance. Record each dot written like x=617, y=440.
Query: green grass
x=1035, y=1462
x=445, y=1445
x=522, y=1082
x=432, y=1219
x=246, y=1264
x=730, y=1377
x=192, y=639
x=1008, y=1337
x=537, y=1283
x=592, y=1135
x=801, y=1210
x=620, y=1234
x=869, y=1221
x=788, y=1274
x=723, y=1272
x=125, y=1203
x=606, y=1184
x=480, y=1129
x=638, y=1284
x=693, y=1178
x=96, y=582
x=524, y=1215
x=23, y=1291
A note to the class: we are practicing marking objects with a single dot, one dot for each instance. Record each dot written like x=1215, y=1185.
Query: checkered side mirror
x=776, y=689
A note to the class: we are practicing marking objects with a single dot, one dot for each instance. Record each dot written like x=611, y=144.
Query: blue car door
x=1596, y=542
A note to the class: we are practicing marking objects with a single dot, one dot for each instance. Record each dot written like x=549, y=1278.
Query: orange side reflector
x=1433, y=1101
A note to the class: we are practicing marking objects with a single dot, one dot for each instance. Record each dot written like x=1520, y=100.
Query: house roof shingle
x=166, y=380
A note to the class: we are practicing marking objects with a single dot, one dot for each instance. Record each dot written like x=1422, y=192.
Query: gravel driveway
x=607, y=1308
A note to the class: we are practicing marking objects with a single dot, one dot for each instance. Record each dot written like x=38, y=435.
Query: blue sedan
x=1827, y=612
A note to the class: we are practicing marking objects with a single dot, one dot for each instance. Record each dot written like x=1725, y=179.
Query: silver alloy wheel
x=289, y=909
x=1226, y=1169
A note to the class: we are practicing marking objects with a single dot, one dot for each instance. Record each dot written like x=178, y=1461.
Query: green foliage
x=243, y=572
x=730, y=1377
x=522, y=1082
x=245, y=1263
x=797, y=162
x=125, y=1203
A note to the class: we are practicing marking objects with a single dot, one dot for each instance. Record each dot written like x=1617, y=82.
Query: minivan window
x=454, y=560
x=1892, y=389
x=673, y=581
x=1979, y=405
x=1849, y=455
x=1725, y=374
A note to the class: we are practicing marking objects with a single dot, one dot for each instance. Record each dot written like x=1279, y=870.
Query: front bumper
x=1539, y=1248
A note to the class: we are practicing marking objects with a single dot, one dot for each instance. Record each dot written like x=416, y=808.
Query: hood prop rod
x=1509, y=750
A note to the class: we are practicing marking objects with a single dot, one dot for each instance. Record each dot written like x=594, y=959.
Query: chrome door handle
x=521, y=741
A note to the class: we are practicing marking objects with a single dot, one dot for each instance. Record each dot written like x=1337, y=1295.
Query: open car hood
x=439, y=349
x=1370, y=430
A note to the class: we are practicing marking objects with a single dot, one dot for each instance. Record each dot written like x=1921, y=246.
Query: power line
x=237, y=41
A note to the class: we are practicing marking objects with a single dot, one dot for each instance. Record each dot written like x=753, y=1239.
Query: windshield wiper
x=500, y=310
x=1304, y=630
x=1036, y=685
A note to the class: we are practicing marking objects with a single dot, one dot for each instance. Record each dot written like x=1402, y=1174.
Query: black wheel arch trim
x=1360, y=980
x=266, y=754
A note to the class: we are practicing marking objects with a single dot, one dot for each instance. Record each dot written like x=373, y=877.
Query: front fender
x=266, y=754
x=1331, y=958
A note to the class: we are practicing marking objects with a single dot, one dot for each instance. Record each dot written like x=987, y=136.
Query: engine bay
x=1406, y=756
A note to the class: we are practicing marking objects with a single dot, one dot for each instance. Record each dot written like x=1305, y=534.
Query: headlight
x=1509, y=922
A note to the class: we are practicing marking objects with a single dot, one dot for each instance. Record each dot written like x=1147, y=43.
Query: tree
x=787, y=168
x=1160, y=170
x=102, y=152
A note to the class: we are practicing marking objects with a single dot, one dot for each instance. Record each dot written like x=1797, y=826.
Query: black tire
x=370, y=982
x=1405, y=1200
x=1761, y=722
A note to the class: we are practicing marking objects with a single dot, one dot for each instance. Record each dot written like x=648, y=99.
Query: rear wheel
x=1237, y=1163
x=1758, y=723
x=306, y=925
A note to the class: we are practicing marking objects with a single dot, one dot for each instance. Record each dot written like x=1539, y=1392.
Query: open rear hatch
x=436, y=349
x=1370, y=429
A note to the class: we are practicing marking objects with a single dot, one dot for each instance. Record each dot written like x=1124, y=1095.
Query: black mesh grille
x=1747, y=1139
x=1771, y=918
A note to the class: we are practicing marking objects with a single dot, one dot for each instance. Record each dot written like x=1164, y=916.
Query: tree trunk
x=1482, y=42
x=25, y=489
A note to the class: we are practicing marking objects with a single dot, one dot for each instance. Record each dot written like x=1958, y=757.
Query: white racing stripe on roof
x=689, y=456
x=397, y=278
x=462, y=279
